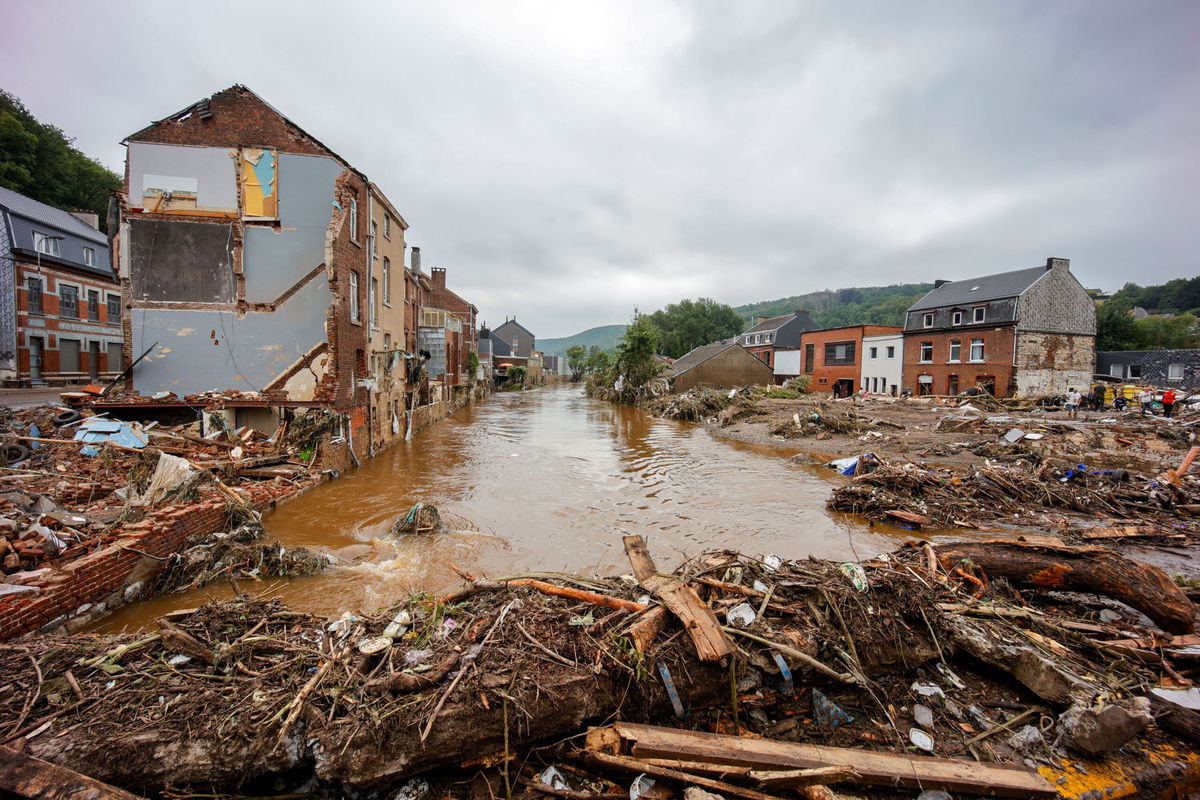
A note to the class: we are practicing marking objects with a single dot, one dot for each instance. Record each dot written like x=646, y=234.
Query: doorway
x=94, y=361
x=37, y=346
x=845, y=388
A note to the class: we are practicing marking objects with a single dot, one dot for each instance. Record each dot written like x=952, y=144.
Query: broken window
x=926, y=352
x=1135, y=370
x=68, y=301
x=977, y=349
x=353, y=296
x=955, y=352
x=260, y=198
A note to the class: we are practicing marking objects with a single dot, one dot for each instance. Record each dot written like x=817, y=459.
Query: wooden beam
x=712, y=643
x=27, y=776
x=874, y=768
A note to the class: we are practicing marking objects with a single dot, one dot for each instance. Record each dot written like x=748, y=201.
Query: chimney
x=438, y=275
x=89, y=218
x=1054, y=263
x=415, y=260
x=939, y=283
x=806, y=320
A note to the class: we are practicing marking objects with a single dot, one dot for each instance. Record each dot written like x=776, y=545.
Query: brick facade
x=827, y=372
x=948, y=376
x=96, y=334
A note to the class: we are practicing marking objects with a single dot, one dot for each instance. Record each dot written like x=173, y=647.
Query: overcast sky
x=568, y=161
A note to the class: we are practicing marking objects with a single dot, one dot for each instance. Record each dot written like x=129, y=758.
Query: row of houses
x=251, y=274
x=1027, y=332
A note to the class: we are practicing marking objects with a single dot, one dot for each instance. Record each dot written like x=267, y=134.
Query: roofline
x=686, y=370
x=257, y=96
x=383, y=198
x=100, y=237
x=514, y=322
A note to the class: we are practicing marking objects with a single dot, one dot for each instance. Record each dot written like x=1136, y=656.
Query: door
x=952, y=385
x=94, y=360
x=36, y=346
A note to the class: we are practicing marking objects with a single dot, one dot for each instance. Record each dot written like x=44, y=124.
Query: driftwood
x=26, y=776
x=1093, y=569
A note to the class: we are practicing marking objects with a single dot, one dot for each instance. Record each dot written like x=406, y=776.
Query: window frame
x=927, y=319
x=89, y=256
x=956, y=318
x=982, y=351
x=387, y=226
x=93, y=305
x=955, y=351
x=926, y=359
x=354, y=219
x=874, y=353
x=1179, y=377
x=54, y=240
x=372, y=301
x=32, y=281
x=849, y=356
x=891, y=351
x=355, y=311
x=374, y=239
x=73, y=290
x=387, y=281
x=113, y=319
x=978, y=314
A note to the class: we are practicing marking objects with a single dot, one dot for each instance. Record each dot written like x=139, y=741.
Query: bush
x=516, y=378
x=801, y=383
x=780, y=393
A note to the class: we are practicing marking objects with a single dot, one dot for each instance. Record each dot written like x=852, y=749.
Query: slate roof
x=697, y=357
x=771, y=324
x=978, y=290
x=29, y=208
x=512, y=322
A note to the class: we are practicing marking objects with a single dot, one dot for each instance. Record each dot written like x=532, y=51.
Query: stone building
x=1027, y=333
x=1166, y=369
x=60, y=304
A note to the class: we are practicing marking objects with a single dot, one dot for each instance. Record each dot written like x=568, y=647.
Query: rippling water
x=543, y=481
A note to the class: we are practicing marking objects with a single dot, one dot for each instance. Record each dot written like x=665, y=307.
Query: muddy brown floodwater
x=546, y=480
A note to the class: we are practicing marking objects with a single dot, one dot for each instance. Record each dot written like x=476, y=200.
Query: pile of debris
x=828, y=419
x=239, y=553
x=740, y=676
x=700, y=405
x=945, y=497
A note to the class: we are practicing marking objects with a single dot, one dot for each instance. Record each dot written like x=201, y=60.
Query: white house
x=882, y=363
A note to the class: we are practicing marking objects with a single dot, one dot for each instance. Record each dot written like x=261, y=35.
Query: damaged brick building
x=257, y=264
x=1027, y=333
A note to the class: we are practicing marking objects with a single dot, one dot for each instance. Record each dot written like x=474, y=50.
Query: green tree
x=637, y=362
x=40, y=161
x=688, y=324
x=1167, y=333
x=576, y=360
x=1116, y=328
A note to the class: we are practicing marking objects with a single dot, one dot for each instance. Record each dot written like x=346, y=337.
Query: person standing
x=1101, y=396
x=1073, y=400
x=1168, y=402
x=1146, y=398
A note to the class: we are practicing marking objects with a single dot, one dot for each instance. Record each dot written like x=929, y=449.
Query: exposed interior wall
x=1051, y=363
x=183, y=262
x=174, y=179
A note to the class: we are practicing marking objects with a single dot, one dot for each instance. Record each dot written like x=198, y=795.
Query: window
x=44, y=243
x=839, y=353
x=809, y=356
x=956, y=318
x=89, y=256
x=35, y=295
x=766, y=338
x=372, y=295
x=374, y=239
x=387, y=343
x=515, y=344
x=93, y=305
x=978, y=313
x=1174, y=372
x=955, y=352
x=1135, y=370
x=952, y=385
x=68, y=302
x=927, y=320
x=891, y=352
x=353, y=295
x=354, y=218
x=387, y=226
x=387, y=278
x=114, y=357
x=926, y=352
x=977, y=349
x=68, y=355
x=874, y=352
x=748, y=340
x=114, y=308
x=1117, y=370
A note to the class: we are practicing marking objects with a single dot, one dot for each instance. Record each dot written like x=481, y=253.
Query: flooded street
x=546, y=480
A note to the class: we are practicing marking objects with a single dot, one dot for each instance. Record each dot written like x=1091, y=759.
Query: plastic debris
x=759, y=586
x=377, y=644
x=827, y=714
x=97, y=430
x=676, y=703
x=789, y=686
x=921, y=739
x=923, y=715
x=929, y=690
x=641, y=784
x=1014, y=435
x=741, y=615
x=950, y=676
x=856, y=575
x=772, y=562
x=554, y=779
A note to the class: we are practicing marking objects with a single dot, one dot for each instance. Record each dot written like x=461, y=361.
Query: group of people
x=1097, y=397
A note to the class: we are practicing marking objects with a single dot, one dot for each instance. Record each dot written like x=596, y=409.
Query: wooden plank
x=1122, y=532
x=637, y=767
x=712, y=643
x=27, y=776
x=875, y=768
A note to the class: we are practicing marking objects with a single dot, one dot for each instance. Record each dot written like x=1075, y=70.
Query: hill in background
x=869, y=305
x=605, y=337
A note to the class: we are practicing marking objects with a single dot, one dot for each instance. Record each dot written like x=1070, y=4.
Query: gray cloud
x=569, y=161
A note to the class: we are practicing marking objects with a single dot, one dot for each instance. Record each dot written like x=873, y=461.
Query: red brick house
x=833, y=356
x=1028, y=332
x=770, y=336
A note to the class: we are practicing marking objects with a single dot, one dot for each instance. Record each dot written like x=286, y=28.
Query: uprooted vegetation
x=898, y=655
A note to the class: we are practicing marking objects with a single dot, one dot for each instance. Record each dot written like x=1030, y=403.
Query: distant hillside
x=605, y=337
x=870, y=305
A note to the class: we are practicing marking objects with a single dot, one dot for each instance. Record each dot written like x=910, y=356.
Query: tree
x=688, y=324
x=1116, y=328
x=576, y=360
x=40, y=161
x=637, y=362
